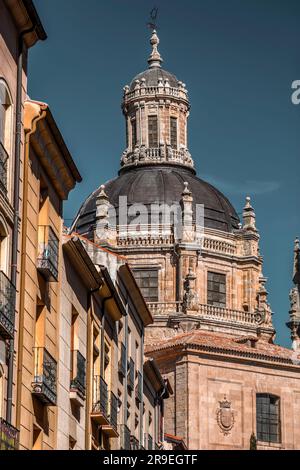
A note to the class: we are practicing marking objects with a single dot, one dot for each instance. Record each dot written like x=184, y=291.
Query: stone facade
x=208, y=369
x=213, y=335
x=45, y=188
x=15, y=43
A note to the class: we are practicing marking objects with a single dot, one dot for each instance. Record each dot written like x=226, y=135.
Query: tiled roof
x=250, y=347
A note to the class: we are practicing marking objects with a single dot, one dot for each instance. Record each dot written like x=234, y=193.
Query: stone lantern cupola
x=156, y=109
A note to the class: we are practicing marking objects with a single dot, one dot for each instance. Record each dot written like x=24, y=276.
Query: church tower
x=209, y=274
x=200, y=270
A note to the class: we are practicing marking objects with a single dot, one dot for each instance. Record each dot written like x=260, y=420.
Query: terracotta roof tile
x=217, y=342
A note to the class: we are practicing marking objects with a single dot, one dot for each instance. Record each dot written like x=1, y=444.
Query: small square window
x=147, y=280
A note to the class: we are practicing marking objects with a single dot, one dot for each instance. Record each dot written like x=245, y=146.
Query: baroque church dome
x=161, y=185
x=156, y=163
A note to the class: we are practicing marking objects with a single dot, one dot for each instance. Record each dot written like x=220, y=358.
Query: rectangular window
x=147, y=280
x=173, y=132
x=268, y=418
x=216, y=289
x=134, y=133
x=153, y=131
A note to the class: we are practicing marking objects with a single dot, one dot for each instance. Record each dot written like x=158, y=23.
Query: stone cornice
x=26, y=17
x=224, y=353
x=50, y=147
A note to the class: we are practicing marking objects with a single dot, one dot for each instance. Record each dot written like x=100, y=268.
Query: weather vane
x=153, y=17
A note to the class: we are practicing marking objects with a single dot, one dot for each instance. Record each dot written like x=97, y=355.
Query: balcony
x=138, y=388
x=78, y=383
x=7, y=307
x=3, y=168
x=48, y=246
x=207, y=312
x=130, y=376
x=124, y=437
x=134, y=443
x=45, y=376
x=148, y=442
x=100, y=401
x=9, y=436
x=111, y=429
x=122, y=361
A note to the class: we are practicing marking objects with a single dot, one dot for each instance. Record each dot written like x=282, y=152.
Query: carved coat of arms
x=225, y=416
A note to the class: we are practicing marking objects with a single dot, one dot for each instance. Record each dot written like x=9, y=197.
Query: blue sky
x=238, y=59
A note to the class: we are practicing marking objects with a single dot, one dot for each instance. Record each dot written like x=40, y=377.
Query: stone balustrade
x=161, y=308
x=164, y=153
x=213, y=244
x=144, y=91
x=207, y=312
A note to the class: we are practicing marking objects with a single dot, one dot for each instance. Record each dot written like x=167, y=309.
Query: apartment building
x=20, y=30
x=49, y=175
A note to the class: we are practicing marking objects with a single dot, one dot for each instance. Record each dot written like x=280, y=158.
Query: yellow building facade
x=20, y=29
x=49, y=175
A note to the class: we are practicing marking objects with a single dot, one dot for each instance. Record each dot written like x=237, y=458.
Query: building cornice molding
x=50, y=147
x=26, y=17
x=224, y=353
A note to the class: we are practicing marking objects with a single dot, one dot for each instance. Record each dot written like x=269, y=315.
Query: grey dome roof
x=157, y=185
x=152, y=76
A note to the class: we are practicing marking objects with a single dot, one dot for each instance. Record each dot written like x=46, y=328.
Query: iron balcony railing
x=148, y=442
x=124, y=433
x=78, y=383
x=134, y=443
x=130, y=377
x=7, y=307
x=48, y=247
x=3, y=168
x=113, y=410
x=9, y=436
x=122, y=361
x=100, y=397
x=138, y=388
x=44, y=385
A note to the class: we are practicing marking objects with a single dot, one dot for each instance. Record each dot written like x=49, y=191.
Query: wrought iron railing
x=100, y=396
x=148, y=441
x=134, y=443
x=47, y=261
x=139, y=388
x=124, y=433
x=7, y=306
x=122, y=361
x=9, y=436
x=44, y=385
x=78, y=383
x=3, y=168
x=113, y=410
x=130, y=377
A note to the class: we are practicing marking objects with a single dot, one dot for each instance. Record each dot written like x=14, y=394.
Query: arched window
x=268, y=425
x=5, y=132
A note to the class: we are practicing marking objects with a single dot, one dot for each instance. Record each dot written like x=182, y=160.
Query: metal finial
x=155, y=58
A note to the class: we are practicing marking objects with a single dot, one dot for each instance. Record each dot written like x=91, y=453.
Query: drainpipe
x=126, y=367
x=142, y=389
x=14, y=257
x=106, y=299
